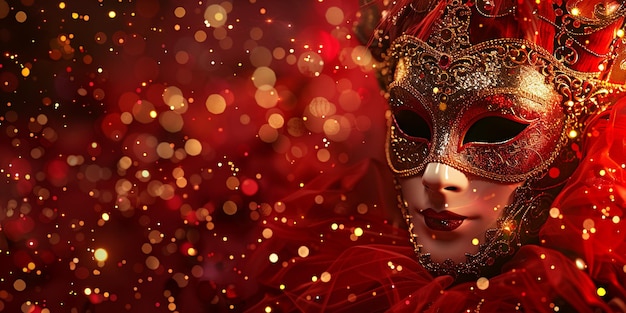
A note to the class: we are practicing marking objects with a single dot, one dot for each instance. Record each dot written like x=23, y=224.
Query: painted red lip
x=443, y=221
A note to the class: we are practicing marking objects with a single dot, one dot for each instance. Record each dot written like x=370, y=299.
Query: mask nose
x=444, y=179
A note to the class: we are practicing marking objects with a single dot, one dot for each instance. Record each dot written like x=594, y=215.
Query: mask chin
x=518, y=225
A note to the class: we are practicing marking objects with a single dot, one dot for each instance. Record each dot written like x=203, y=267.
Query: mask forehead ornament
x=446, y=83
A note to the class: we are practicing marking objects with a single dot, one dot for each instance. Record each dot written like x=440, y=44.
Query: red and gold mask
x=489, y=110
x=473, y=87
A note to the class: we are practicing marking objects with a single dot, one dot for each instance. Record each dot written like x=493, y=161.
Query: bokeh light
x=147, y=148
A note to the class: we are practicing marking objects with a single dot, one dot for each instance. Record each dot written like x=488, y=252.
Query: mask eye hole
x=493, y=129
x=412, y=124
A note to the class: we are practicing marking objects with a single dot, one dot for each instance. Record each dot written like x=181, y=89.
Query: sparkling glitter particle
x=146, y=144
x=482, y=283
x=100, y=255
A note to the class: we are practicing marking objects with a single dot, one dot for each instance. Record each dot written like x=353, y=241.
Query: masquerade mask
x=488, y=110
x=506, y=110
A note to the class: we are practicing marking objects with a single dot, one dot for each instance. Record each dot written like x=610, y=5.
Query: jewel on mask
x=444, y=61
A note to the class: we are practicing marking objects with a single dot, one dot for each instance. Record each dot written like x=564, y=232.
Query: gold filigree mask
x=504, y=110
x=490, y=110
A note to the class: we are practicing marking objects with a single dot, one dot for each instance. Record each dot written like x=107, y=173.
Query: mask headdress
x=560, y=62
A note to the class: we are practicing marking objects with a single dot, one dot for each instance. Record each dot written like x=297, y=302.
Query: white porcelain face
x=452, y=211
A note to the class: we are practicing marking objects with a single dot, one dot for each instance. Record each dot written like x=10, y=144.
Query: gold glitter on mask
x=506, y=78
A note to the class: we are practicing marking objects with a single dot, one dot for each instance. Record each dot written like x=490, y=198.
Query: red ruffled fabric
x=580, y=265
x=590, y=222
